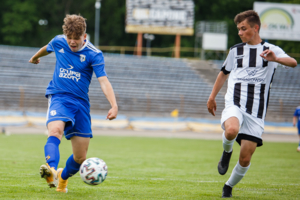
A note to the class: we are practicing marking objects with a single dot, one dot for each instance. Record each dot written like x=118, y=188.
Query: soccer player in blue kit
x=67, y=93
x=296, y=120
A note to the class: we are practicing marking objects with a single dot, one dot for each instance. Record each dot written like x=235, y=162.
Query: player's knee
x=231, y=132
x=57, y=132
x=79, y=159
x=244, y=161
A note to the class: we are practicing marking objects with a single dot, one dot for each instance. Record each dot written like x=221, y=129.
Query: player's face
x=246, y=32
x=75, y=43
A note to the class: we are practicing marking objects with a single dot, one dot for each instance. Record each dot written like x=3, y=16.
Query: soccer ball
x=298, y=149
x=93, y=171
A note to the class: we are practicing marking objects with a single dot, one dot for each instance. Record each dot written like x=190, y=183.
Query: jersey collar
x=85, y=44
x=257, y=45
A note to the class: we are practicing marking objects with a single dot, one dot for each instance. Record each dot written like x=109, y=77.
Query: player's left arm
x=110, y=95
x=269, y=55
x=295, y=120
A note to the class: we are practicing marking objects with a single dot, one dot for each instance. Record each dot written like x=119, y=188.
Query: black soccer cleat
x=227, y=191
x=224, y=162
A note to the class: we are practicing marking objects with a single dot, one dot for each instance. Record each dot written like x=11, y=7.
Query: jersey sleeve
x=279, y=52
x=50, y=45
x=296, y=113
x=228, y=64
x=98, y=65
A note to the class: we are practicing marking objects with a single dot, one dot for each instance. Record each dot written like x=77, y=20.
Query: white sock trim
x=241, y=170
x=227, y=144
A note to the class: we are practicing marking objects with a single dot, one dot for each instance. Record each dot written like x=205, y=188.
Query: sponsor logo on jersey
x=251, y=72
x=82, y=57
x=69, y=74
x=71, y=67
x=53, y=112
x=47, y=158
x=251, y=79
x=62, y=50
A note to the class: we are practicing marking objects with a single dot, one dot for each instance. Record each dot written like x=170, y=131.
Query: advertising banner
x=279, y=21
x=168, y=17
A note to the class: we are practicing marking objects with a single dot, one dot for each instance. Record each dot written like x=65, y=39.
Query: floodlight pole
x=139, y=44
x=177, y=46
x=97, y=22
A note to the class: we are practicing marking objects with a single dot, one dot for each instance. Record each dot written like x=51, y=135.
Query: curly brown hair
x=74, y=25
x=251, y=16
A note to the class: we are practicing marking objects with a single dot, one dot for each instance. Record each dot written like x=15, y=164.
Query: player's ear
x=256, y=26
x=84, y=36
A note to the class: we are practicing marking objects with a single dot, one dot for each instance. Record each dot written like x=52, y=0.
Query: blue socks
x=52, y=152
x=52, y=158
x=71, y=168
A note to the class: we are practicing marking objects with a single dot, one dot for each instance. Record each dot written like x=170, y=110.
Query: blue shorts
x=72, y=110
x=299, y=128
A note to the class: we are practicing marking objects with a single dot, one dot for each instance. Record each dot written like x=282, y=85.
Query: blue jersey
x=297, y=114
x=73, y=70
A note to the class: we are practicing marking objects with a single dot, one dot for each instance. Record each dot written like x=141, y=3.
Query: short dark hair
x=251, y=16
x=74, y=25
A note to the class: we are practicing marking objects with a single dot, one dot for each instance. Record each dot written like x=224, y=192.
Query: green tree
x=19, y=21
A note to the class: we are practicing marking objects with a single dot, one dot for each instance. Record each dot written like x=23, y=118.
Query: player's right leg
x=231, y=120
x=51, y=149
x=59, y=118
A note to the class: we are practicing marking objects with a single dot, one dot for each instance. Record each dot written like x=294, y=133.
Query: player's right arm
x=211, y=103
x=35, y=59
x=223, y=75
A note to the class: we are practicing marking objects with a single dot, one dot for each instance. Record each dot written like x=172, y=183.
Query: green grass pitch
x=150, y=168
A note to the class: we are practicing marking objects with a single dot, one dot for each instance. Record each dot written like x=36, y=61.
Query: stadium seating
x=144, y=86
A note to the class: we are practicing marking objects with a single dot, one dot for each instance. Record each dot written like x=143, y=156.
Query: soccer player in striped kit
x=250, y=67
x=67, y=93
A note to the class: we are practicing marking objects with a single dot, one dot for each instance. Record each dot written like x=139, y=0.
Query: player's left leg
x=80, y=147
x=242, y=166
x=249, y=138
x=298, y=149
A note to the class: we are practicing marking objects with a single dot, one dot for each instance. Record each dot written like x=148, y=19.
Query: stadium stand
x=144, y=86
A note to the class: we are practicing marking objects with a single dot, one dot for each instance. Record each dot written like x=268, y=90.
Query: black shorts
x=242, y=136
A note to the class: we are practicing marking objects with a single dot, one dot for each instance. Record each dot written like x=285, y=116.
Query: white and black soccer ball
x=93, y=171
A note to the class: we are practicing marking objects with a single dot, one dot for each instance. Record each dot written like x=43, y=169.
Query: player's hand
x=112, y=113
x=268, y=55
x=212, y=106
x=34, y=60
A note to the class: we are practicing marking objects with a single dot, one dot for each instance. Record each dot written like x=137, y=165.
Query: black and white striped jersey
x=250, y=77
